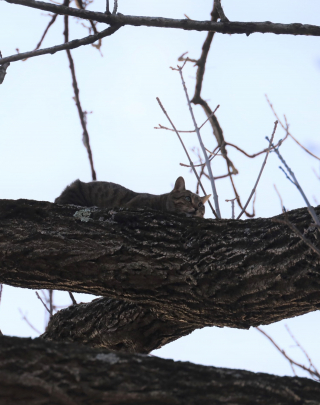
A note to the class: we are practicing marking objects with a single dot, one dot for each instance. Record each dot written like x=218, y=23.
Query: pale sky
x=41, y=149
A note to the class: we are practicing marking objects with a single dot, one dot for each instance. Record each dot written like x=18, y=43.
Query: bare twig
x=232, y=206
x=51, y=302
x=314, y=374
x=188, y=156
x=187, y=59
x=86, y=139
x=262, y=167
x=24, y=317
x=217, y=4
x=51, y=22
x=107, y=7
x=294, y=181
x=317, y=175
x=280, y=198
x=285, y=127
x=76, y=43
x=237, y=27
x=74, y=302
x=3, y=68
x=302, y=349
x=42, y=302
x=115, y=7
x=192, y=131
x=214, y=191
x=1, y=289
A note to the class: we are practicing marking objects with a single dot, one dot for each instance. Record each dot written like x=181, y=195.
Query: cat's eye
x=200, y=204
x=187, y=198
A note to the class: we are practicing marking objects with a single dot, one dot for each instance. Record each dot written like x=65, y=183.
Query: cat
x=110, y=195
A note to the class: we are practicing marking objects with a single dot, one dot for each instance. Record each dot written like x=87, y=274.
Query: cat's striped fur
x=110, y=195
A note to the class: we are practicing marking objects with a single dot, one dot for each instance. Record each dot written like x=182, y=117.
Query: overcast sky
x=41, y=149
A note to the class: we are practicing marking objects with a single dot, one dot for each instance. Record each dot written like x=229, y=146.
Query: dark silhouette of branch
x=3, y=68
x=76, y=43
x=51, y=22
x=226, y=27
x=217, y=4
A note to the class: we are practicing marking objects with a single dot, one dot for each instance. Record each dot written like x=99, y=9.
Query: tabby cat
x=110, y=195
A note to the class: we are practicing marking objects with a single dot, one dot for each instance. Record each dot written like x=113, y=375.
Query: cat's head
x=186, y=202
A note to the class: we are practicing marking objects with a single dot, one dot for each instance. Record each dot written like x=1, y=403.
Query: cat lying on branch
x=110, y=195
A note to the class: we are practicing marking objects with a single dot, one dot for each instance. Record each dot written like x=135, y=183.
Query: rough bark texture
x=225, y=27
x=116, y=325
x=205, y=272
x=42, y=373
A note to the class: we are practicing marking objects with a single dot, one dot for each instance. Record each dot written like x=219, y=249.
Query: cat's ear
x=180, y=184
x=205, y=198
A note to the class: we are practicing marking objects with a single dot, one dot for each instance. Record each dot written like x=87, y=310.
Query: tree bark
x=201, y=271
x=116, y=325
x=225, y=27
x=46, y=373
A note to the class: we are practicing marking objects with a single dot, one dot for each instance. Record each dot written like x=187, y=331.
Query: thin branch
x=192, y=131
x=51, y=22
x=74, y=302
x=51, y=302
x=301, y=348
x=107, y=7
x=262, y=167
x=1, y=289
x=42, y=302
x=232, y=207
x=76, y=43
x=285, y=127
x=115, y=7
x=86, y=139
x=214, y=191
x=236, y=27
x=219, y=8
x=188, y=156
x=28, y=322
x=311, y=372
x=296, y=183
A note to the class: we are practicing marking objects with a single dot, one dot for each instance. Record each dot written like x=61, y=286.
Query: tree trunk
x=46, y=373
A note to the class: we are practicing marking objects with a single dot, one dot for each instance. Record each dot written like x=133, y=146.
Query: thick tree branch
x=115, y=325
x=38, y=372
x=204, y=272
x=224, y=27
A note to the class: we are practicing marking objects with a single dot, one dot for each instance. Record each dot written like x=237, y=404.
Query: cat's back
x=102, y=194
